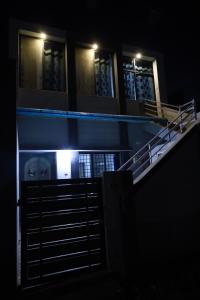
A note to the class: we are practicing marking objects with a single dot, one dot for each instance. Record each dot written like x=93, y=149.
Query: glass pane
x=110, y=162
x=98, y=164
x=84, y=165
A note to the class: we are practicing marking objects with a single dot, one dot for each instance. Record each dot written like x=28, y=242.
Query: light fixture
x=95, y=46
x=64, y=159
x=43, y=35
x=138, y=55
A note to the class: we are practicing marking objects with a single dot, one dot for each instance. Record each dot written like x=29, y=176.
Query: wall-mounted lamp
x=43, y=35
x=138, y=55
x=95, y=46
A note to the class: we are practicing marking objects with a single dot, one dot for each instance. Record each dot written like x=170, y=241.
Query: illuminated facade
x=57, y=74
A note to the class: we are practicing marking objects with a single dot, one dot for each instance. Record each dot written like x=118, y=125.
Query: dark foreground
x=172, y=280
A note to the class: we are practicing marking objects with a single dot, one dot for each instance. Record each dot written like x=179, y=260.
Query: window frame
x=51, y=39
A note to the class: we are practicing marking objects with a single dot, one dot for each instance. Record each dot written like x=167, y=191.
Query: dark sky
x=172, y=30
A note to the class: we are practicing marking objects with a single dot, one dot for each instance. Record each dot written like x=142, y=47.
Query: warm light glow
x=43, y=35
x=64, y=159
x=95, y=46
x=138, y=55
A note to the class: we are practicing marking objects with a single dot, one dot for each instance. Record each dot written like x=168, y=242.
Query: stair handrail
x=162, y=145
x=191, y=105
x=160, y=104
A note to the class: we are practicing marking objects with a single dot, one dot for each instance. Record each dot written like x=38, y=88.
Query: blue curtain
x=53, y=67
x=144, y=87
x=138, y=81
x=103, y=74
x=129, y=81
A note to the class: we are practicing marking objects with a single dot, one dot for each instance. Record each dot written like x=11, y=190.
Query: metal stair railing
x=143, y=158
x=153, y=108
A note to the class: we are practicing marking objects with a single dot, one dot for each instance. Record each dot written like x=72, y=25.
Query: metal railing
x=144, y=157
x=158, y=109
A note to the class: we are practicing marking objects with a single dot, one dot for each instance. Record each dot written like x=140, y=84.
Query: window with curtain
x=42, y=64
x=138, y=79
x=53, y=66
x=103, y=74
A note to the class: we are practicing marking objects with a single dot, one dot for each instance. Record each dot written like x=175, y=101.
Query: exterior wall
x=167, y=203
x=42, y=133
x=97, y=104
x=134, y=107
x=158, y=218
x=138, y=135
x=84, y=100
x=34, y=98
x=85, y=80
x=31, y=61
x=99, y=135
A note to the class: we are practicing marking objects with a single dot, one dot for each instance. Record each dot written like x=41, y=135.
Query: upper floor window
x=103, y=74
x=42, y=64
x=138, y=79
x=94, y=72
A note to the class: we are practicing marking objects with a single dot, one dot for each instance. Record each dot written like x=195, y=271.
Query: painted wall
x=34, y=98
x=139, y=135
x=42, y=133
x=85, y=79
x=100, y=134
x=134, y=107
x=158, y=219
x=97, y=104
x=167, y=203
x=30, y=62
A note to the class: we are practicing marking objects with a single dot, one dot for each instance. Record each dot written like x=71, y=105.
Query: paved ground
x=174, y=283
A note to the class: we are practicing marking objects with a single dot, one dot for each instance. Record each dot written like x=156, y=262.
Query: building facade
x=75, y=100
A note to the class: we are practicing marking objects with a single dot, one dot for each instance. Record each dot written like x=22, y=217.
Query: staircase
x=180, y=120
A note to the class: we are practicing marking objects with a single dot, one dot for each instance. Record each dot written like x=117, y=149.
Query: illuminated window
x=94, y=164
x=138, y=79
x=104, y=74
x=42, y=64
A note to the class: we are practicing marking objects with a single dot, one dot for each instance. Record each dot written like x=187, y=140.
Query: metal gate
x=62, y=229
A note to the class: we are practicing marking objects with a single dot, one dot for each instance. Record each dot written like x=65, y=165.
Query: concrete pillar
x=72, y=92
x=118, y=59
x=119, y=215
x=8, y=183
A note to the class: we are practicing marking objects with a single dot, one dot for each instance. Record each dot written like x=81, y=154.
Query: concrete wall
x=167, y=203
x=98, y=134
x=134, y=107
x=164, y=211
x=85, y=80
x=31, y=62
x=42, y=133
x=34, y=98
x=138, y=135
x=97, y=104
x=119, y=218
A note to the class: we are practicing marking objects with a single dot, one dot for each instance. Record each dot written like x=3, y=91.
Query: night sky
x=172, y=30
